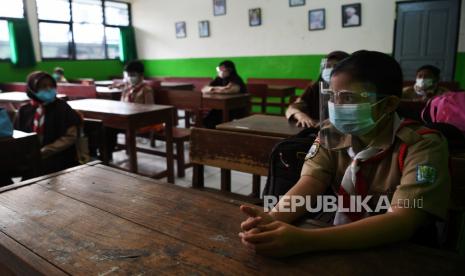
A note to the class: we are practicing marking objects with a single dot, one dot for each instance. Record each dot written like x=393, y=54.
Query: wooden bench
x=185, y=100
x=13, y=87
x=77, y=91
x=198, y=83
x=230, y=151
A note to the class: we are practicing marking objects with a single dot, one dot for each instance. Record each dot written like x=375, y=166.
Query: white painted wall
x=284, y=30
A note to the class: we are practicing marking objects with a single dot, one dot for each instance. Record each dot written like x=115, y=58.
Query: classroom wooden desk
x=15, y=99
x=226, y=103
x=282, y=92
x=131, y=117
x=96, y=220
x=104, y=83
x=177, y=85
x=260, y=124
x=104, y=92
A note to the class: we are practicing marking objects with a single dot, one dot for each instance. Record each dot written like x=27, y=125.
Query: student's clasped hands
x=270, y=237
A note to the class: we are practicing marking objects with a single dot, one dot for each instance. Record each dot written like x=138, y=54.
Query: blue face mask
x=326, y=74
x=355, y=119
x=47, y=96
x=6, y=127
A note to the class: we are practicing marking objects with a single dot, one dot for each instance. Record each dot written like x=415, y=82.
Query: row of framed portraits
x=351, y=17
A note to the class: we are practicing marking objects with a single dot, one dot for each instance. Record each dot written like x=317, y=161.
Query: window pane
x=112, y=35
x=4, y=40
x=116, y=13
x=14, y=8
x=54, y=38
x=53, y=10
x=87, y=11
x=89, y=41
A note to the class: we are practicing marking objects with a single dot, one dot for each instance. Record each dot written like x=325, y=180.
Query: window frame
x=2, y=60
x=72, y=44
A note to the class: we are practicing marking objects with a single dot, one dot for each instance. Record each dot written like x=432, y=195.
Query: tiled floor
x=148, y=164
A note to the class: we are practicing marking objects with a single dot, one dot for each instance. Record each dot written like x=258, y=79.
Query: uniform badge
x=313, y=151
x=426, y=174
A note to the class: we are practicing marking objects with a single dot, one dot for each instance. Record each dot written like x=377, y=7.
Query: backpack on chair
x=286, y=161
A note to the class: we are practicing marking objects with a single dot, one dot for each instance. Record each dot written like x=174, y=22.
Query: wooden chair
x=185, y=100
x=229, y=150
x=20, y=154
x=13, y=87
x=258, y=90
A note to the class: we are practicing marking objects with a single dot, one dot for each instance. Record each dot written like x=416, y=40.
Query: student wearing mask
x=227, y=81
x=426, y=84
x=306, y=109
x=135, y=90
x=59, y=75
x=54, y=121
x=364, y=149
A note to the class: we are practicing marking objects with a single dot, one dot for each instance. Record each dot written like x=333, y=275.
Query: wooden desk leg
x=169, y=149
x=104, y=147
x=263, y=105
x=131, y=149
x=226, y=180
x=255, y=186
x=283, y=105
x=197, y=176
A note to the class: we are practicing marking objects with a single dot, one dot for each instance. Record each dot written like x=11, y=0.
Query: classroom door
x=427, y=33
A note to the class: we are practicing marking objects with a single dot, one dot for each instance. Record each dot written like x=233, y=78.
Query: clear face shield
x=326, y=68
x=344, y=113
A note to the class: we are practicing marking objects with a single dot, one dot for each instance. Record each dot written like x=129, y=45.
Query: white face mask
x=326, y=74
x=424, y=83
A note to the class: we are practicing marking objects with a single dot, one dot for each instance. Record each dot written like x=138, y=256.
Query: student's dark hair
x=337, y=55
x=135, y=66
x=433, y=69
x=230, y=66
x=378, y=69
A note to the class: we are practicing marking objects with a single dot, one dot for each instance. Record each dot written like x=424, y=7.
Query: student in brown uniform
x=55, y=122
x=306, y=110
x=426, y=84
x=363, y=149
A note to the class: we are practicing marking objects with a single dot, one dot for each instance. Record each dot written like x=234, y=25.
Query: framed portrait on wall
x=316, y=19
x=255, y=17
x=219, y=7
x=352, y=15
x=180, y=29
x=296, y=3
x=204, y=28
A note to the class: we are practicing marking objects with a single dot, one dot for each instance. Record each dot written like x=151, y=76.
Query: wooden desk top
x=19, y=97
x=267, y=125
x=103, y=89
x=93, y=220
x=103, y=83
x=115, y=107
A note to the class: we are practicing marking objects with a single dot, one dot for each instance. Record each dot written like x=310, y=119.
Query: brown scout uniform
x=141, y=93
x=425, y=174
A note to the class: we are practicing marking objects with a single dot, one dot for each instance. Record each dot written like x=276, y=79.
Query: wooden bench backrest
x=181, y=99
x=77, y=91
x=232, y=150
x=13, y=87
x=23, y=152
x=298, y=83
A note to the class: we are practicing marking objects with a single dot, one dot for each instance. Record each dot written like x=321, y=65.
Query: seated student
x=135, y=90
x=426, y=84
x=357, y=153
x=6, y=131
x=306, y=109
x=55, y=122
x=59, y=75
x=227, y=81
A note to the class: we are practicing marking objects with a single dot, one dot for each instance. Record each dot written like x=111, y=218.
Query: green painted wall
x=99, y=70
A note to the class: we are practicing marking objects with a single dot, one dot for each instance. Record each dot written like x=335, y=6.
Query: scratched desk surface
x=95, y=220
